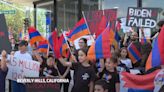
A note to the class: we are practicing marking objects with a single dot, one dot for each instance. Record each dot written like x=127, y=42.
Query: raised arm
x=91, y=86
x=66, y=72
x=38, y=57
x=65, y=63
x=3, y=61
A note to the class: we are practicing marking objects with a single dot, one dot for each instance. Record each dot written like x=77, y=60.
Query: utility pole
x=139, y=4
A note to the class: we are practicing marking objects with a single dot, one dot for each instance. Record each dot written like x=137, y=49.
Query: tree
x=14, y=21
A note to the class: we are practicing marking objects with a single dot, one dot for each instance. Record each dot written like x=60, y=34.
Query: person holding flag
x=84, y=74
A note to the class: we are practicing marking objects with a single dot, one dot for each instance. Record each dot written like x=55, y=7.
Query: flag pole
x=68, y=44
x=87, y=25
x=48, y=50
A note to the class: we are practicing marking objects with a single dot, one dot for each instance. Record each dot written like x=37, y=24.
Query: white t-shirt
x=127, y=62
x=23, y=56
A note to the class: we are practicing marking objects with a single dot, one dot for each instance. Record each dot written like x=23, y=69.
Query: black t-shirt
x=50, y=71
x=111, y=82
x=62, y=70
x=82, y=77
x=2, y=80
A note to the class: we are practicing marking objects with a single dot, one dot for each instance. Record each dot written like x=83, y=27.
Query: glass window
x=44, y=17
x=121, y=5
x=66, y=14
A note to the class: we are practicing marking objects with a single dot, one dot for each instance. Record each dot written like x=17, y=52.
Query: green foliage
x=14, y=21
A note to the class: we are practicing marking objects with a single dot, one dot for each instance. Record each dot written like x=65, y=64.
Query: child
x=124, y=58
x=3, y=71
x=84, y=73
x=101, y=86
x=110, y=74
x=51, y=69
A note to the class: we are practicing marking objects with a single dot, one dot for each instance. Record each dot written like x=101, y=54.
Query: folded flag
x=134, y=53
x=34, y=35
x=80, y=29
x=156, y=57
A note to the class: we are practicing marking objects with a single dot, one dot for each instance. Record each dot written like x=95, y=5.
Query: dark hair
x=84, y=50
x=117, y=53
x=23, y=43
x=160, y=23
x=127, y=56
x=84, y=39
x=50, y=56
x=102, y=83
x=114, y=59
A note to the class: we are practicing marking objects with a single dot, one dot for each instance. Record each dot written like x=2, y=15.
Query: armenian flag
x=117, y=39
x=43, y=46
x=102, y=25
x=80, y=29
x=101, y=47
x=34, y=35
x=63, y=46
x=156, y=57
x=136, y=83
x=134, y=53
x=54, y=43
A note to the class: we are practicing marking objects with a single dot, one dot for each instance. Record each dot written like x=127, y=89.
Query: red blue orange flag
x=134, y=53
x=135, y=83
x=43, y=46
x=117, y=39
x=54, y=44
x=63, y=46
x=101, y=47
x=156, y=57
x=102, y=25
x=34, y=35
x=80, y=29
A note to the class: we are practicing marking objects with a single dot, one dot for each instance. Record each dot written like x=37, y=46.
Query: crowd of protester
x=99, y=76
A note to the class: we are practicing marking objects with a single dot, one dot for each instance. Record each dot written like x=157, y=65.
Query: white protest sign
x=147, y=33
x=20, y=68
x=125, y=28
x=89, y=38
